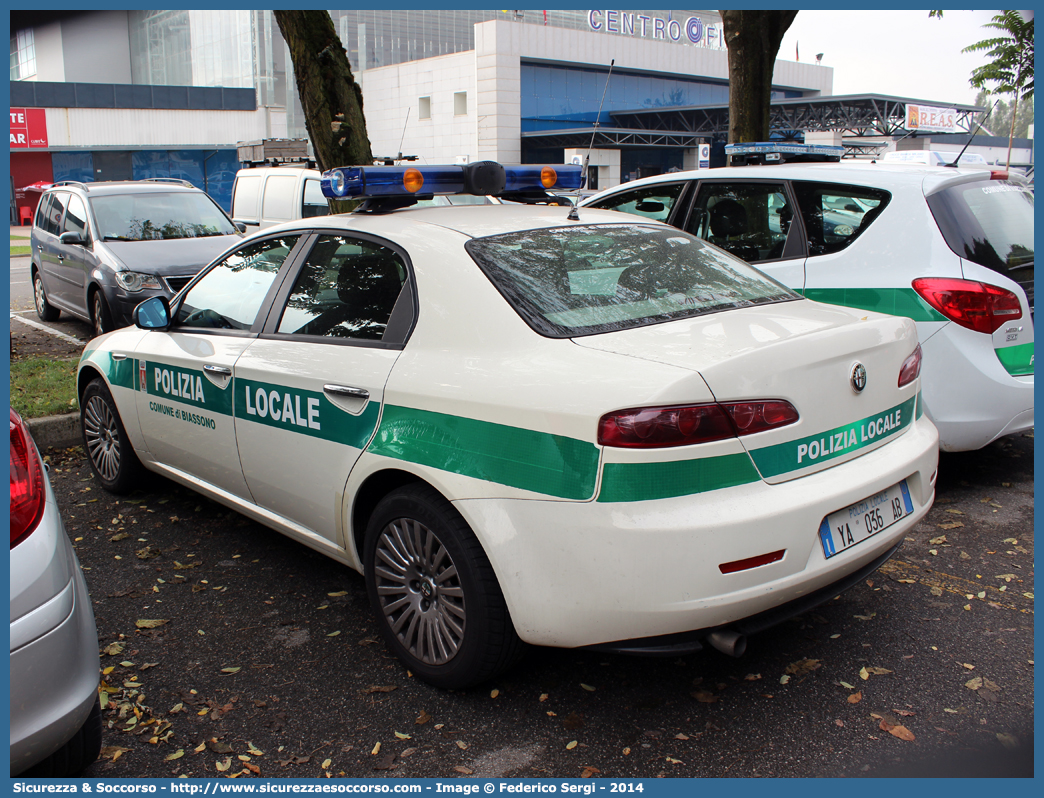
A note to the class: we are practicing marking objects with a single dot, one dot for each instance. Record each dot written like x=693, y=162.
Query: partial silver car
x=55, y=713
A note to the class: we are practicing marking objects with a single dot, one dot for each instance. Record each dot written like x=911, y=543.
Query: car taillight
x=28, y=495
x=656, y=427
x=978, y=306
x=911, y=368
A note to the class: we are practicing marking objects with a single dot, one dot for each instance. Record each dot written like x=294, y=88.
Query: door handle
x=344, y=390
x=221, y=371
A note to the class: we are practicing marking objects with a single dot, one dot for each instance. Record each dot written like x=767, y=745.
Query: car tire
x=77, y=754
x=437, y=600
x=101, y=318
x=108, y=448
x=44, y=309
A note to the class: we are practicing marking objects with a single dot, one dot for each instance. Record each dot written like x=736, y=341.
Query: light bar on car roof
x=480, y=178
x=764, y=152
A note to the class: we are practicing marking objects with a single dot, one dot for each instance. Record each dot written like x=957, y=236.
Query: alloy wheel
x=102, y=434
x=419, y=591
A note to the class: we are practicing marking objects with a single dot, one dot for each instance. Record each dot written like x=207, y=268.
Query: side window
x=748, y=220
x=314, y=203
x=231, y=293
x=55, y=211
x=41, y=212
x=346, y=289
x=652, y=202
x=835, y=215
x=76, y=218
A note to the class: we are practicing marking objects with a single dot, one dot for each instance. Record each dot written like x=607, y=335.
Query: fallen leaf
x=462, y=745
x=422, y=718
x=674, y=761
x=855, y=698
x=571, y=745
x=587, y=687
x=951, y=525
x=901, y=732
x=752, y=677
x=974, y=684
x=150, y=624
x=223, y=766
x=627, y=752
x=877, y=671
x=237, y=669
x=803, y=666
x=544, y=697
x=704, y=697
x=589, y=771
x=494, y=694
x=402, y=736
x=334, y=634
x=376, y=750
x=784, y=679
x=338, y=594
x=1009, y=741
x=681, y=736
x=176, y=755
x=464, y=770
x=326, y=764
x=373, y=688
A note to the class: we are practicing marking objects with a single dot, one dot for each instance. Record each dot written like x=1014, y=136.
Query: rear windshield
x=989, y=222
x=571, y=281
x=147, y=216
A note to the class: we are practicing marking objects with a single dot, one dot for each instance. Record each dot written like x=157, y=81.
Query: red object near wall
x=28, y=168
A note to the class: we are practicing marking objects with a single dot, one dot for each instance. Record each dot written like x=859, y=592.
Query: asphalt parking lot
x=229, y=650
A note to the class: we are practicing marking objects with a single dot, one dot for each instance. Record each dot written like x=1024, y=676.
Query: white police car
x=525, y=423
x=951, y=248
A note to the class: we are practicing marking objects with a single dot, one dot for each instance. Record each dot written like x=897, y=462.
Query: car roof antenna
x=574, y=216
x=972, y=137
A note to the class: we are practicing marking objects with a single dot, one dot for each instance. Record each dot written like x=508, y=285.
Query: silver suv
x=99, y=249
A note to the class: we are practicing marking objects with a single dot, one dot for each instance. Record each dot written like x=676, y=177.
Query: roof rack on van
x=79, y=183
x=177, y=180
x=769, y=152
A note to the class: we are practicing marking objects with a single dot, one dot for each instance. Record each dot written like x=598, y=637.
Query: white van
x=266, y=195
x=934, y=158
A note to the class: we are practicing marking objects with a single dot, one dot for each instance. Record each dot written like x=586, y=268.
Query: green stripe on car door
x=119, y=372
x=526, y=459
x=893, y=301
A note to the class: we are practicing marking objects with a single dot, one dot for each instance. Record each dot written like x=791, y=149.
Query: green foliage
x=1011, y=69
x=43, y=386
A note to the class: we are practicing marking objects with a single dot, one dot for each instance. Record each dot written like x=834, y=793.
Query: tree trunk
x=753, y=39
x=331, y=99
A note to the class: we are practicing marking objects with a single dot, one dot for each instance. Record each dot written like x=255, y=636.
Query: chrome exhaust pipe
x=728, y=642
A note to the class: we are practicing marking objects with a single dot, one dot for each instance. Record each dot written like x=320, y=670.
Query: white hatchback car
x=950, y=248
x=526, y=423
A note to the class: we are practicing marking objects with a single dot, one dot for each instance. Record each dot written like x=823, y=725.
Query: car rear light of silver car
x=660, y=427
x=28, y=494
x=978, y=306
x=911, y=368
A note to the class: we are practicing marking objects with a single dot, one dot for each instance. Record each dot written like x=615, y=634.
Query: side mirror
x=72, y=237
x=152, y=314
x=240, y=226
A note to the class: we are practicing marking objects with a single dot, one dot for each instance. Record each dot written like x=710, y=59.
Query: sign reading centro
x=627, y=23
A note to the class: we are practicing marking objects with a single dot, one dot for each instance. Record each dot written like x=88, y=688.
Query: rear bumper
x=584, y=574
x=968, y=394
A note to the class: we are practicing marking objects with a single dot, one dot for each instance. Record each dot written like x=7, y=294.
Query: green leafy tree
x=1011, y=69
x=752, y=39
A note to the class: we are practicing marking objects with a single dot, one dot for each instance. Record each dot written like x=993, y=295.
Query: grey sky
x=899, y=53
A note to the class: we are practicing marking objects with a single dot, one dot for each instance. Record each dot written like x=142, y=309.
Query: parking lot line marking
x=47, y=329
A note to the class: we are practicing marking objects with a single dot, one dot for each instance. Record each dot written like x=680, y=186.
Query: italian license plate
x=857, y=522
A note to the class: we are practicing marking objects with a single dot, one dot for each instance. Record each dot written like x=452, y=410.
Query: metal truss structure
x=686, y=126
